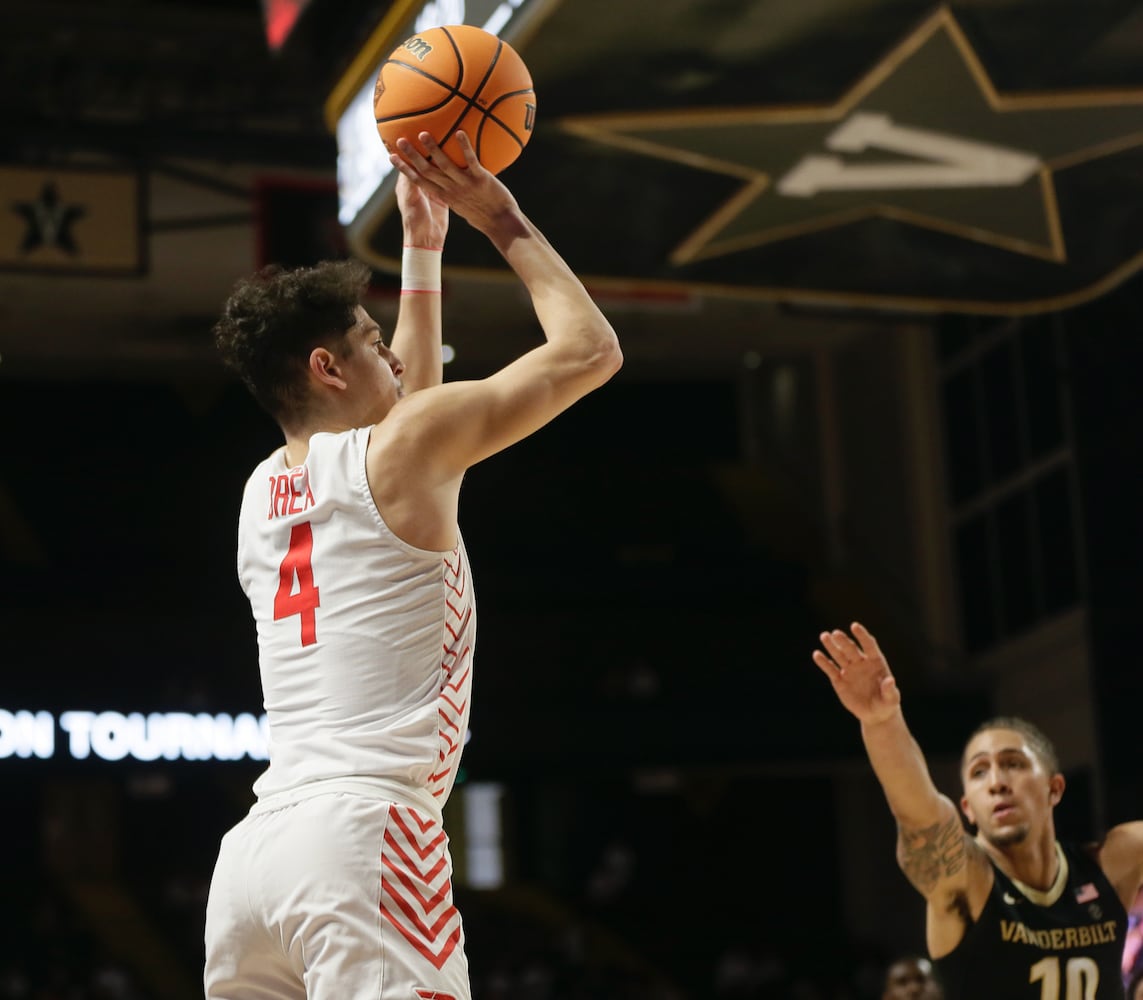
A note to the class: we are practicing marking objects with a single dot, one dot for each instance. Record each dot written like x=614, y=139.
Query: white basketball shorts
x=335, y=896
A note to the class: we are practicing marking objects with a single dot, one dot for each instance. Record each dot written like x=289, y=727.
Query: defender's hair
x=1037, y=740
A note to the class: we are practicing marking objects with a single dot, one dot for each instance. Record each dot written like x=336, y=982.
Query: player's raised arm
x=864, y=684
x=465, y=422
x=417, y=334
x=933, y=848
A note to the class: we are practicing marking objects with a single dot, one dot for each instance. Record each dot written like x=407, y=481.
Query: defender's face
x=1008, y=794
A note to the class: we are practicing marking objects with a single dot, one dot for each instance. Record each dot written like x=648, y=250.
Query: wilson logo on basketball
x=529, y=117
x=418, y=47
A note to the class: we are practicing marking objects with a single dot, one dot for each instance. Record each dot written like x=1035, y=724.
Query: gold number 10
x=1082, y=976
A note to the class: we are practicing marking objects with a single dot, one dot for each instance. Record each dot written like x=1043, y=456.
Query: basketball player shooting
x=337, y=884
x=1011, y=912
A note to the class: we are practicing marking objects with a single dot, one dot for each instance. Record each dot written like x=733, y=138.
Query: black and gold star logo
x=924, y=139
x=49, y=222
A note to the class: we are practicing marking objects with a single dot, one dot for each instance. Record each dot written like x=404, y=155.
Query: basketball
x=457, y=77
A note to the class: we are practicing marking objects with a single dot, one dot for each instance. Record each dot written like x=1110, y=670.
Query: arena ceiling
x=715, y=164
x=984, y=156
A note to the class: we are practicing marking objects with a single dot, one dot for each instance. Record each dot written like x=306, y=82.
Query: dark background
x=645, y=695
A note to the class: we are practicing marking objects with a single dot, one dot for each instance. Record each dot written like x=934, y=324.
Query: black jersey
x=1065, y=944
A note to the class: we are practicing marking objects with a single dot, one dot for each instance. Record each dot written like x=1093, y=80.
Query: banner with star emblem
x=67, y=220
x=922, y=151
x=886, y=155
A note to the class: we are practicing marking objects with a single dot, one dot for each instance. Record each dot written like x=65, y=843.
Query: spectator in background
x=910, y=978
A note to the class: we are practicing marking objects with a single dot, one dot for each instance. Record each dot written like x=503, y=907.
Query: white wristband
x=420, y=269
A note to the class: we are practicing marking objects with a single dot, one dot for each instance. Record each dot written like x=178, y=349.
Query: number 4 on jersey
x=298, y=564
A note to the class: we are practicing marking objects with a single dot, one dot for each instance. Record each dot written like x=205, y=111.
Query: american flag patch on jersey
x=1086, y=893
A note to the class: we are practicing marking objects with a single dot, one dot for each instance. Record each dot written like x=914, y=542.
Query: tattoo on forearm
x=932, y=853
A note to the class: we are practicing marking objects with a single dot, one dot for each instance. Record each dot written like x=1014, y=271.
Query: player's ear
x=1056, y=785
x=323, y=366
x=966, y=809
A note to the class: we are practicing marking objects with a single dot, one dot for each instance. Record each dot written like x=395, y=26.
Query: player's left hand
x=470, y=191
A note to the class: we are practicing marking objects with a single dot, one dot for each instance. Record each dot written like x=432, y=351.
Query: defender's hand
x=859, y=674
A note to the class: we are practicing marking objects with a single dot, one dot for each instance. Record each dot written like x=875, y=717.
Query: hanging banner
x=76, y=221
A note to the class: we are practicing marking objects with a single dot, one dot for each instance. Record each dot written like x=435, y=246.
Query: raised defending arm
x=934, y=850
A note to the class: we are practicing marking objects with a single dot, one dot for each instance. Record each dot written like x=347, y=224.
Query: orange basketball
x=457, y=77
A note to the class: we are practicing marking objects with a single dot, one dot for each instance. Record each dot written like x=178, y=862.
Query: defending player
x=1012, y=913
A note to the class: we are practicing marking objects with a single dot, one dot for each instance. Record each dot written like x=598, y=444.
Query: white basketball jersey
x=365, y=642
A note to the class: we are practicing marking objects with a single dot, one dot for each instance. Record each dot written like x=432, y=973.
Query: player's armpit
x=950, y=870
x=948, y=916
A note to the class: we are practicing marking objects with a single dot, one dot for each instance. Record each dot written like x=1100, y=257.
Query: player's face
x=377, y=369
x=907, y=980
x=1008, y=794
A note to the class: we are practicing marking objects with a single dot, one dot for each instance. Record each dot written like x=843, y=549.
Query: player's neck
x=298, y=437
x=1034, y=862
x=296, y=451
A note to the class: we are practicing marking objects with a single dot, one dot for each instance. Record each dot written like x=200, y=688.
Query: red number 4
x=298, y=563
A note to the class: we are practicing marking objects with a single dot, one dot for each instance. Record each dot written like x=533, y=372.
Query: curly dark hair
x=1035, y=736
x=273, y=320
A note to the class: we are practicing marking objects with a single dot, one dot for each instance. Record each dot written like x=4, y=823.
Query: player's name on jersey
x=290, y=493
x=114, y=736
x=1058, y=938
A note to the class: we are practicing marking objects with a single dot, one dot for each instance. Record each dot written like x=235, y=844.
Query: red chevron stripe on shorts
x=416, y=885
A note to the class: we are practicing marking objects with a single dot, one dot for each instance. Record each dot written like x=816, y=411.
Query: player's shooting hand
x=859, y=674
x=423, y=215
x=471, y=191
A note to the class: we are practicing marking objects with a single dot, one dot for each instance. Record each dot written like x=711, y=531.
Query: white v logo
x=952, y=161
